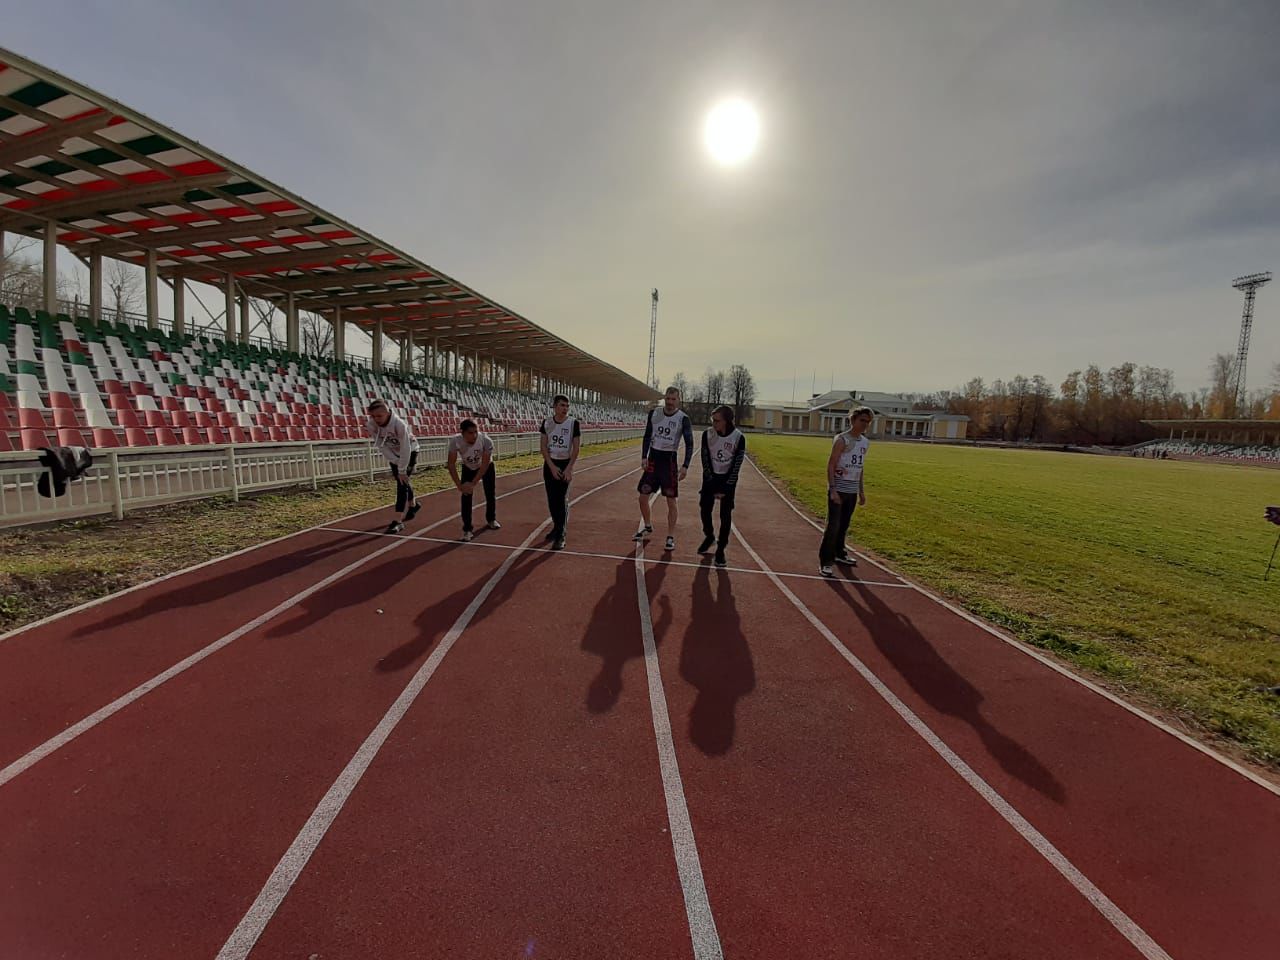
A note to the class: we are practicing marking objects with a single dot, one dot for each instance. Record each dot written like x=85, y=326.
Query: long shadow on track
x=212, y=588
x=935, y=680
x=716, y=660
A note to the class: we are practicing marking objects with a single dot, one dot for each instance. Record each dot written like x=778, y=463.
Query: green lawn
x=47, y=569
x=1147, y=574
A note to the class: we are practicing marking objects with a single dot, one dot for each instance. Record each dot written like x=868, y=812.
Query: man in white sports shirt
x=475, y=450
x=393, y=440
x=561, y=439
x=663, y=430
x=844, y=489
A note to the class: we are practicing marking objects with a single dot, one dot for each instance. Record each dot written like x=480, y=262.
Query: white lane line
x=55, y=743
x=291, y=865
x=617, y=556
x=89, y=604
x=1103, y=904
x=1049, y=662
x=702, y=924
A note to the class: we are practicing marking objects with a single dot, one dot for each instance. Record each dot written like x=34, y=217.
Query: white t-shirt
x=667, y=430
x=472, y=454
x=849, y=464
x=394, y=441
x=722, y=449
x=560, y=437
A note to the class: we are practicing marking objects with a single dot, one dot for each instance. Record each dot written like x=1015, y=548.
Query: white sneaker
x=467, y=536
x=826, y=571
x=671, y=543
x=493, y=525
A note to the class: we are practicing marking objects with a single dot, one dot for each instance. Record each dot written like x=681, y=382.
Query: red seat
x=238, y=434
x=63, y=417
x=155, y=419
x=170, y=403
x=5, y=445
x=139, y=389
x=313, y=433
x=185, y=391
x=180, y=418
x=136, y=437
x=213, y=404
x=227, y=420
x=204, y=420
x=31, y=419
x=166, y=438
x=217, y=435
x=204, y=393
x=192, y=436
x=126, y=418
x=60, y=401
x=260, y=435
x=119, y=401
x=113, y=388
x=71, y=437
x=102, y=437
x=295, y=433
x=279, y=419
x=34, y=439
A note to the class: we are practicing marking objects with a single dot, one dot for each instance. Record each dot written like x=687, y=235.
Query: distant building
x=829, y=412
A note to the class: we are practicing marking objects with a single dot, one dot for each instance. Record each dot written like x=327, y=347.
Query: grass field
x=1146, y=574
x=48, y=569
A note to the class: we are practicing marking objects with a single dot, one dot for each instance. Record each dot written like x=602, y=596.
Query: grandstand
x=106, y=385
x=1254, y=453
x=89, y=175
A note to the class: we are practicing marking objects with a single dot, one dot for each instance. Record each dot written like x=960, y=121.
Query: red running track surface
x=376, y=764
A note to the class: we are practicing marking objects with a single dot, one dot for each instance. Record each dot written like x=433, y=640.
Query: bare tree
x=742, y=390
x=681, y=383
x=22, y=273
x=713, y=387
x=124, y=288
x=1222, y=372
x=317, y=335
x=266, y=314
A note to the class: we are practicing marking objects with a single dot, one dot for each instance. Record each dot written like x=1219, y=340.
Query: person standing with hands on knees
x=561, y=439
x=723, y=450
x=663, y=430
x=845, y=489
x=393, y=440
x=475, y=450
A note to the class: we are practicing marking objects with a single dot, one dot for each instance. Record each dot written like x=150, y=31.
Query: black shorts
x=660, y=473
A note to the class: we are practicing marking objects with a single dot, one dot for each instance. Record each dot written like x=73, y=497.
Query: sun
x=731, y=131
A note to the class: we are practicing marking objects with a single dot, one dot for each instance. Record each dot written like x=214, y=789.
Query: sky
x=941, y=190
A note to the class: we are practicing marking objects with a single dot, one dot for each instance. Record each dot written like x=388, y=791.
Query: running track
x=341, y=744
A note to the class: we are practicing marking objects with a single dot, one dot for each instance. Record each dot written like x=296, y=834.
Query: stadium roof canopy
x=115, y=182
x=1219, y=429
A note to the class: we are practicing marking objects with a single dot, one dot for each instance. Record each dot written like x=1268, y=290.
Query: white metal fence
x=130, y=478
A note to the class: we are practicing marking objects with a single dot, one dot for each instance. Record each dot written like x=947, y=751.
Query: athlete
x=561, y=439
x=663, y=430
x=393, y=440
x=844, y=489
x=723, y=449
x=475, y=450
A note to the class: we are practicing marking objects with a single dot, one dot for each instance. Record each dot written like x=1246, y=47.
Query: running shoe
x=395, y=526
x=467, y=536
x=551, y=535
x=707, y=544
x=643, y=533
x=413, y=512
x=720, y=559
x=493, y=525
x=846, y=561
x=670, y=544
x=559, y=543
x=826, y=571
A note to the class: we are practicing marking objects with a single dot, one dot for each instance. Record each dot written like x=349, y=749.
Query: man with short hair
x=560, y=441
x=664, y=428
x=393, y=440
x=844, y=489
x=475, y=450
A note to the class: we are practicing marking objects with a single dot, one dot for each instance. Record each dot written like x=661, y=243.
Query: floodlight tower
x=1249, y=284
x=652, y=378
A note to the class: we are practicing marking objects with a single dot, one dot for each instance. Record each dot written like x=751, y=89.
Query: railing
x=131, y=478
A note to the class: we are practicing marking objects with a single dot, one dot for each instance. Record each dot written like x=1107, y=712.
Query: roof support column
x=244, y=317
x=376, y=336
x=50, y=267
x=179, y=304
x=339, y=335
x=231, y=309
x=2, y=260
x=152, y=292
x=406, y=353
x=95, y=286
x=291, y=330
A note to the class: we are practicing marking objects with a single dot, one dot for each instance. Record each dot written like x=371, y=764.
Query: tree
x=1222, y=372
x=714, y=387
x=266, y=312
x=681, y=383
x=742, y=390
x=317, y=335
x=124, y=288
